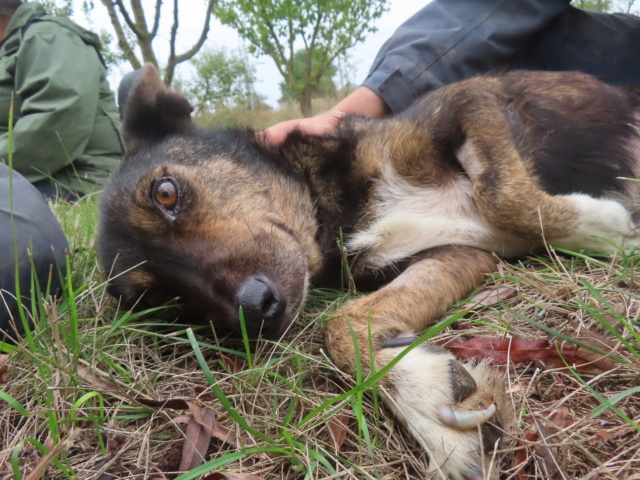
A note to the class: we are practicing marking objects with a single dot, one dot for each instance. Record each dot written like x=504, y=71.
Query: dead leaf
x=339, y=426
x=560, y=419
x=174, y=403
x=580, y=357
x=502, y=351
x=95, y=381
x=537, y=448
x=583, y=333
x=171, y=457
x=233, y=476
x=182, y=419
x=198, y=435
x=204, y=393
x=546, y=456
x=483, y=299
x=521, y=457
x=487, y=298
x=215, y=429
x=232, y=364
x=603, y=434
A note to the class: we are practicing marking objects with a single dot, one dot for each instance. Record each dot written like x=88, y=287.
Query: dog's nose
x=262, y=306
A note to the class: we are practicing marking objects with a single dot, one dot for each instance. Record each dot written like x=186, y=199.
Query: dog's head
x=214, y=219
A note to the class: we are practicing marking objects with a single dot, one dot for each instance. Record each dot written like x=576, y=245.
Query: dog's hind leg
x=508, y=196
x=441, y=401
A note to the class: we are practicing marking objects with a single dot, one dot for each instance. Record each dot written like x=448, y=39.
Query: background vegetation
x=308, y=41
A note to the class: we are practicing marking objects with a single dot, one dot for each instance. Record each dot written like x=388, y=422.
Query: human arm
x=362, y=101
x=57, y=97
x=451, y=40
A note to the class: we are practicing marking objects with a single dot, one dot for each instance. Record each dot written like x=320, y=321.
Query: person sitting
x=33, y=245
x=65, y=142
x=66, y=126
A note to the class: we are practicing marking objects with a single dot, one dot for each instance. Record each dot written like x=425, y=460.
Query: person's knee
x=35, y=248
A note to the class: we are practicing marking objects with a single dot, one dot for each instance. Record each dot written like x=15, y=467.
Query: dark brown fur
x=427, y=196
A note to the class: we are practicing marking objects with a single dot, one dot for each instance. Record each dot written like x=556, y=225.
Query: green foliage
x=59, y=8
x=624, y=6
x=111, y=54
x=323, y=87
x=223, y=79
x=594, y=5
x=322, y=29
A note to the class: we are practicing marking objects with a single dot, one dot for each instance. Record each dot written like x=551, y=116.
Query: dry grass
x=80, y=386
x=91, y=390
x=262, y=118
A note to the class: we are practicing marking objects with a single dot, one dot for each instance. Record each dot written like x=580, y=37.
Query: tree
x=323, y=29
x=624, y=6
x=594, y=5
x=322, y=88
x=222, y=79
x=131, y=29
x=59, y=8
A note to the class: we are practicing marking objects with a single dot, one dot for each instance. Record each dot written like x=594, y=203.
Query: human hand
x=318, y=125
x=361, y=101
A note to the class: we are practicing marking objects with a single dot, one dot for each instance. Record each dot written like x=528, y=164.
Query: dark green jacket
x=66, y=125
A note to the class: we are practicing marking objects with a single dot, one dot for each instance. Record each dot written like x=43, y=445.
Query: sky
x=268, y=77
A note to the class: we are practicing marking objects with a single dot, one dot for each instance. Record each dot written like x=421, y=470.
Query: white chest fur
x=410, y=218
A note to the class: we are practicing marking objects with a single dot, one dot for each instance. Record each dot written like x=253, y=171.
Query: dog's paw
x=445, y=404
x=602, y=225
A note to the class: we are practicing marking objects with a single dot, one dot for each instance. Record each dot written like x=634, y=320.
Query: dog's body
x=496, y=164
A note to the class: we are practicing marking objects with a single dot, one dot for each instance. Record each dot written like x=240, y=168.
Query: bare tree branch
x=120, y=35
x=138, y=15
x=127, y=19
x=156, y=19
x=171, y=62
x=195, y=48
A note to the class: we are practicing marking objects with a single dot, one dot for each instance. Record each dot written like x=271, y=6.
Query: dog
x=425, y=201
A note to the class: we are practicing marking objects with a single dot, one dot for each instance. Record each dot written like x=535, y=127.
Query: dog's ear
x=150, y=110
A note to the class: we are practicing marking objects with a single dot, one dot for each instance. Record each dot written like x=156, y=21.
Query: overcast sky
x=192, y=16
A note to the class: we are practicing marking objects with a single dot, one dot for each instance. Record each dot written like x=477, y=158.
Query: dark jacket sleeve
x=450, y=40
x=56, y=84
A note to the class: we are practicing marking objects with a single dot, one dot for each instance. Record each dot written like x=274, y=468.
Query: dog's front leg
x=441, y=401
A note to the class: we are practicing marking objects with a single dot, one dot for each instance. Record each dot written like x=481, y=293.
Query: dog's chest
x=404, y=219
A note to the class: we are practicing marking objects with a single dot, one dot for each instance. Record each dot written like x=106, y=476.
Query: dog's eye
x=165, y=193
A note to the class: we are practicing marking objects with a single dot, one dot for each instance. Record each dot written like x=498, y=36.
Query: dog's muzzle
x=263, y=306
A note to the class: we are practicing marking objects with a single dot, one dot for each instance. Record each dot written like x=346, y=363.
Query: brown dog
x=493, y=165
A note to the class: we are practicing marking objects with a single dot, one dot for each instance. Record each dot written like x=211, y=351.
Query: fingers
x=277, y=133
x=318, y=125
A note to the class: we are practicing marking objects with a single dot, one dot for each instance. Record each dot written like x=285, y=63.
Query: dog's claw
x=465, y=419
x=476, y=474
x=398, y=341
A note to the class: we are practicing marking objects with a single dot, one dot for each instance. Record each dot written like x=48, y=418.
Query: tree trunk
x=305, y=102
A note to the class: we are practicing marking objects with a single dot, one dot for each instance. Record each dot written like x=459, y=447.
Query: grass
x=100, y=393
x=82, y=380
